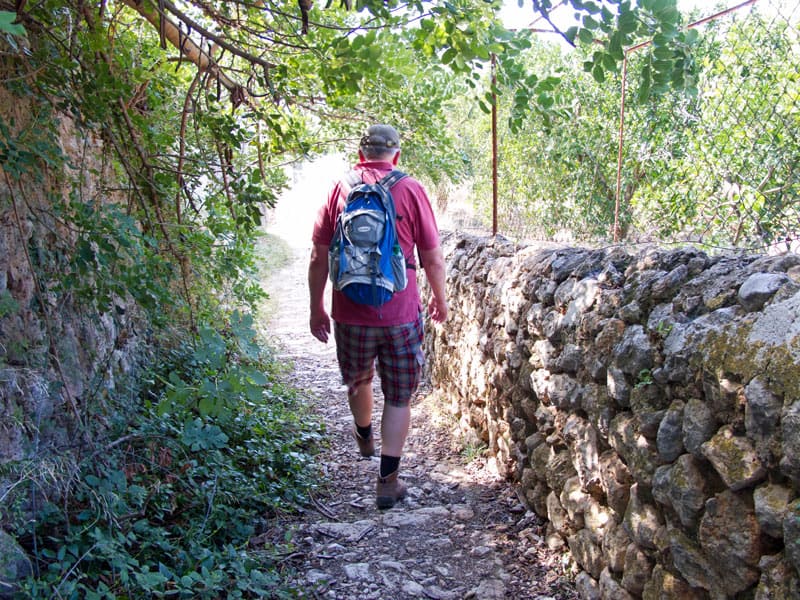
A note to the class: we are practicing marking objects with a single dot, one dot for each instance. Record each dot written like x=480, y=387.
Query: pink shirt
x=416, y=226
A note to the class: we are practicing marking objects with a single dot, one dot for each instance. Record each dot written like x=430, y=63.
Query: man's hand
x=320, y=325
x=437, y=309
x=433, y=263
x=320, y=322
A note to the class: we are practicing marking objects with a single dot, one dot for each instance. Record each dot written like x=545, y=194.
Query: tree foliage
x=716, y=166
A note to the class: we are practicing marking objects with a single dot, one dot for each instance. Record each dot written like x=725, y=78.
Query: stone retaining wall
x=647, y=403
x=59, y=359
x=55, y=353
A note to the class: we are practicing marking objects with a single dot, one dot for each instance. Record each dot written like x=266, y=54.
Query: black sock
x=364, y=432
x=389, y=464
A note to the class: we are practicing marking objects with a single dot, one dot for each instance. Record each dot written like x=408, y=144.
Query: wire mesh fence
x=720, y=169
x=730, y=172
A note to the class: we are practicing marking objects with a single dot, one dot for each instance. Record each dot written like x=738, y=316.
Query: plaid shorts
x=399, y=353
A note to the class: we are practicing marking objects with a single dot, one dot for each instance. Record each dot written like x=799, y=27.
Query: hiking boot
x=366, y=446
x=389, y=490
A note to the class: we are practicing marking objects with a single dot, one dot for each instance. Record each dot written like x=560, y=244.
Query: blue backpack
x=365, y=261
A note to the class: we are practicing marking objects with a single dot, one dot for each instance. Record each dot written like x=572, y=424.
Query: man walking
x=391, y=333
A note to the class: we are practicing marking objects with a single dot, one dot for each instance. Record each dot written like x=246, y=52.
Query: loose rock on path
x=462, y=532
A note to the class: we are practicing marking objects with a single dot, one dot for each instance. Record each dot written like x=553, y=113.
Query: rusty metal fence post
x=494, y=145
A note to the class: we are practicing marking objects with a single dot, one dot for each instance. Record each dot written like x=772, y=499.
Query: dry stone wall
x=647, y=403
x=55, y=353
x=58, y=359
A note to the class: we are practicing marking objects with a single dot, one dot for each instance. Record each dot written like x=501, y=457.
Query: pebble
x=358, y=572
x=413, y=588
x=463, y=513
x=406, y=520
x=314, y=576
x=480, y=551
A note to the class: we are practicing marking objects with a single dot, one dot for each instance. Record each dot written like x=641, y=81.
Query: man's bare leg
x=361, y=403
x=394, y=429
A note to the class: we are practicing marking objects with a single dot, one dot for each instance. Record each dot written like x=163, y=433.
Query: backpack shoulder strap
x=388, y=181
x=348, y=182
x=391, y=178
x=352, y=179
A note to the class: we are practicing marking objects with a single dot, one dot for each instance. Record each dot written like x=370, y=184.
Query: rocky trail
x=462, y=532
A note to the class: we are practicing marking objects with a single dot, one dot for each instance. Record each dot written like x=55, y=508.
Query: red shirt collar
x=376, y=164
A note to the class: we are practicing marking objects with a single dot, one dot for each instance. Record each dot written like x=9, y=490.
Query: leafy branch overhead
x=614, y=26
x=300, y=80
x=242, y=44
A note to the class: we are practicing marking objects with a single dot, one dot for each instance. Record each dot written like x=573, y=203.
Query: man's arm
x=319, y=322
x=433, y=263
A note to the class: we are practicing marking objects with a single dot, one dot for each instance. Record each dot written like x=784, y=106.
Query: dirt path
x=461, y=533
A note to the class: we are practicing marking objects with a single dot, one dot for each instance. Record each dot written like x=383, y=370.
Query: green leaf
x=585, y=36
x=571, y=33
x=661, y=5
x=670, y=30
x=591, y=8
x=662, y=53
x=615, y=46
x=258, y=378
x=661, y=41
x=628, y=23
x=8, y=305
x=659, y=89
x=7, y=24
x=549, y=83
x=663, y=66
x=669, y=14
x=643, y=93
x=691, y=37
x=482, y=52
x=598, y=73
x=546, y=101
x=165, y=571
x=206, y=406
x=203, y=436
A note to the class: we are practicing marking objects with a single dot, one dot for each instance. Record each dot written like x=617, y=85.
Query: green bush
x=168, y=507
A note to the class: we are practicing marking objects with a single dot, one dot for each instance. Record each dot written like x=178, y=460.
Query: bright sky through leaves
x=516, y=17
